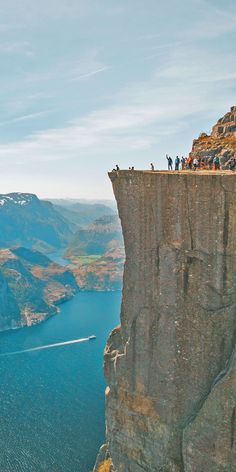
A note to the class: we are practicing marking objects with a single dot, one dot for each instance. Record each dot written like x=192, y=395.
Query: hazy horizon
x=86, y=85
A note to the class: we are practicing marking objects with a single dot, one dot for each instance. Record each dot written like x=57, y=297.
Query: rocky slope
x=31, y=287
x=221, y=142
x=171, y=366
x=27, y=221
x=103, y=274
x=103, y=243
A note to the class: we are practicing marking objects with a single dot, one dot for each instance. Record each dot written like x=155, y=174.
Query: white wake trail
x=47, y=346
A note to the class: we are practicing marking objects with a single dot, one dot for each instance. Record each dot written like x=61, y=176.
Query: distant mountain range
x=81, y=213
x=73, y=201
x=101, y=236
x=97, y=255
x=27, y=221
x=31, y=287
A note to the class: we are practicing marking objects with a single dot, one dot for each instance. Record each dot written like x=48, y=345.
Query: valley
x=49, y=251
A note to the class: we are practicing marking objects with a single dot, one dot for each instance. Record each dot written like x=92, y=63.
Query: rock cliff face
x=171, y=366
x=221, y=142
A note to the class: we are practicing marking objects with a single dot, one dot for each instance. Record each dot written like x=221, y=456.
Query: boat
x=91, y=337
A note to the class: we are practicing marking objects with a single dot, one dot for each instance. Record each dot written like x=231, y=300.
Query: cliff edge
x=171, y=365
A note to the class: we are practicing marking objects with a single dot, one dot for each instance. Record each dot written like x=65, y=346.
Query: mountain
x=31, y=287
x=221, y=142
x=101, y=236
x=97, y=255
x=103, y=274
x=27, y=221
x=81, y=213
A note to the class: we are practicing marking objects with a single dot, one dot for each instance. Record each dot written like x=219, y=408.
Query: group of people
x=116, y=168
x=189, y=163
x=211, y=163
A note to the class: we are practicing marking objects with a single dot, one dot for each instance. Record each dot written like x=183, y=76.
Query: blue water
x=52, y=401
x=57, y=257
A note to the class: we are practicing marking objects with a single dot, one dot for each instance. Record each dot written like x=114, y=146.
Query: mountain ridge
x=25, y=220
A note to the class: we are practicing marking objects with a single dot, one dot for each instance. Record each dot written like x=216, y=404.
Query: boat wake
x=47, y=346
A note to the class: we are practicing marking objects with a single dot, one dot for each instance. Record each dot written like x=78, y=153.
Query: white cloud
x=26, y=10
x=10, y=27
x=141, y=114
x=144, y=114
x=84, y=66
x=215, y=22
x=89, y=74
x=158, y=78
x=16, y=47
x=30, y=116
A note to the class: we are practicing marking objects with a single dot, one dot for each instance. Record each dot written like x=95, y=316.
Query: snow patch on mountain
x=17, y=198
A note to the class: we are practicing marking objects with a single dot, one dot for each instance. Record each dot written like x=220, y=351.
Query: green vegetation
x=85, y=260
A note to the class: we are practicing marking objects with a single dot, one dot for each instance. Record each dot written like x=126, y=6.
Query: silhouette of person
x=177, y=162
x=170, y=162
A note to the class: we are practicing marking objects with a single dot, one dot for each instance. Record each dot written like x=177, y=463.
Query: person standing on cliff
x=177, y=162
x=189, y=162
x=152, y=167
x=232, y=163
x=182, y=163
x=195, y=163
x=170, y=162
x=216, y=163
x=210, y=162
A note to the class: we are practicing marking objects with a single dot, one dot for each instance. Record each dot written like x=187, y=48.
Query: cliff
x=221, y=142
x=171, y=365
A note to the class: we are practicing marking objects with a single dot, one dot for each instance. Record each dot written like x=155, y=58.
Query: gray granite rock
x=170, y=400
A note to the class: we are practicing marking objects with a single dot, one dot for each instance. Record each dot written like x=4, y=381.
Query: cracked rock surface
x=170, y=367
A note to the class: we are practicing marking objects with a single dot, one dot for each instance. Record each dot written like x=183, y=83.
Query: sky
x=87, y=84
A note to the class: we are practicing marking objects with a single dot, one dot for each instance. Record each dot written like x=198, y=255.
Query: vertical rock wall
x=171, y=367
